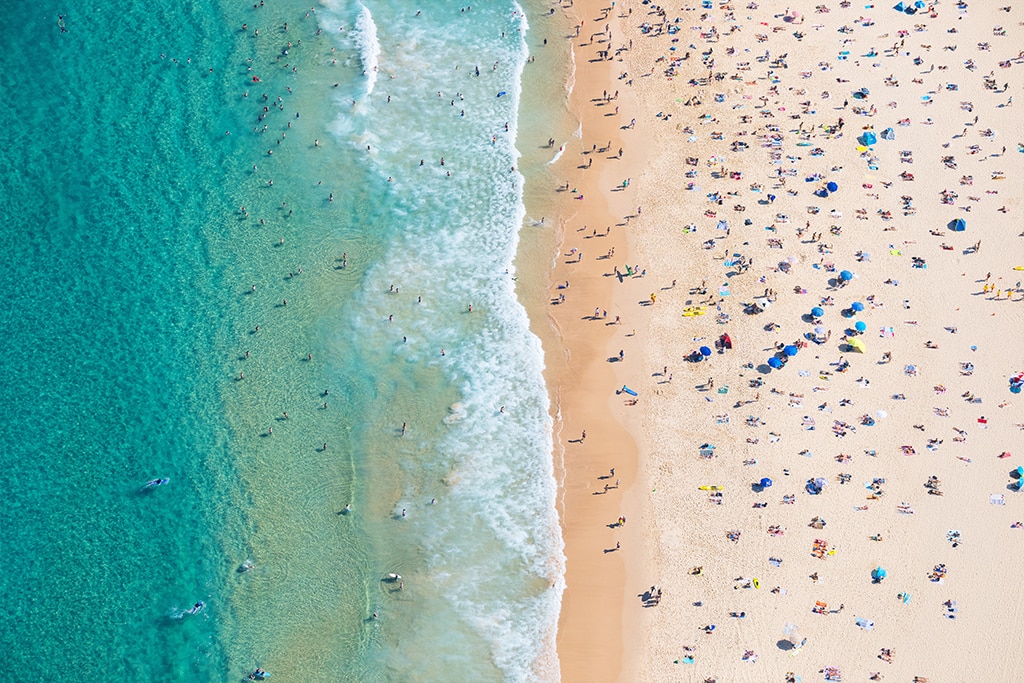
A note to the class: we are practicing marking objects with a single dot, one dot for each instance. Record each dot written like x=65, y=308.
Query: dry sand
x=757, y=418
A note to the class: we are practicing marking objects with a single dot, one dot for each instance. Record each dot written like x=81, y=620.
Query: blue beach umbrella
x=831, y=187
x=790, y=350
x=775, y=362
x=857, y=306
x=705, y=351
x=860, y=326
x=845, y=276
x=817, y=311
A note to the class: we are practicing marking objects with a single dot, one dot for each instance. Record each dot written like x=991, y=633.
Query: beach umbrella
x=819, y=330
x=860, y=326
x=775, y=362
x=817, y=311
x=958, y=225
x=831, y=187
x=877, y=574
x=790, y=350
x=881, y=414
x=857, y=306
x=705, y=351
x=845, y=276
x=766, y=483
x=856, y=344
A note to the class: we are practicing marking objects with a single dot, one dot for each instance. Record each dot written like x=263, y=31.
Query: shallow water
x=156, y=328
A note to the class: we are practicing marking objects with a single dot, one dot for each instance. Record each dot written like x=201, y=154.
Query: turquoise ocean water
x=225, y=265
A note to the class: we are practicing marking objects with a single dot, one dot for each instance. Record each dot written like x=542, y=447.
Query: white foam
x=571, y=82
x=558, y=154
x=365, y=37
x=493, y=542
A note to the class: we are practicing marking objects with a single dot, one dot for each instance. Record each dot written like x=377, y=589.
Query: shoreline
x=596, y=629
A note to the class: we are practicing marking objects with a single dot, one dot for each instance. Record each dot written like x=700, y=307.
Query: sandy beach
x=817, y=306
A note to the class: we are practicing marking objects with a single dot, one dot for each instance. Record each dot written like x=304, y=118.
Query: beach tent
x=765, y=483
x=817, y=312
x=888, y=134
x=900, y=7
x=877, y=574
x=793, y=636
x=867, y=138
x=857, y=306
x=831, y=186
x=860, y=326
x=958, y=225
x=775, y=362
x=790, y=350
x=845, y=276
x=822, y=192
x=856, y=344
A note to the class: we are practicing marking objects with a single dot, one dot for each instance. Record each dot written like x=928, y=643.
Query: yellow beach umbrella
x=856, y=344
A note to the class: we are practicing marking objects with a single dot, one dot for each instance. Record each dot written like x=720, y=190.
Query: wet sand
x=598, y=631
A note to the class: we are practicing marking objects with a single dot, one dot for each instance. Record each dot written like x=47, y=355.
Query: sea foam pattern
x=490, y=549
